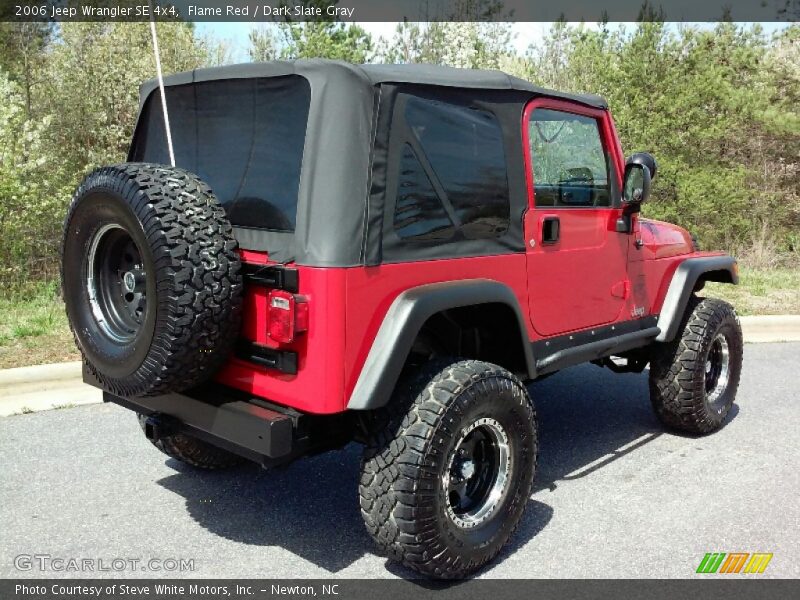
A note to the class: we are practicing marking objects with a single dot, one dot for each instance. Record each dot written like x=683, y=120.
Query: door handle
x=551, y=227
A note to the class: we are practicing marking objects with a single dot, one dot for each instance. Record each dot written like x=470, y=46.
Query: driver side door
x=576, y=261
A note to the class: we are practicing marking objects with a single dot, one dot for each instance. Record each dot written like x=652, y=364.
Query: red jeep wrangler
x=385, y=254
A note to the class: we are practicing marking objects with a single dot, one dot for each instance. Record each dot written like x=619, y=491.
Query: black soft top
x=341, y=188
x=374, y=74
x=467, y=78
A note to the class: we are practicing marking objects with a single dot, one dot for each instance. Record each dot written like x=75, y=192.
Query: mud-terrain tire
x=192, y=451
x=440, y=511
x=151, y=279
x=694, y=378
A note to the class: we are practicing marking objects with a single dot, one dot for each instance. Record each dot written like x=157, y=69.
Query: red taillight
x=287, y=316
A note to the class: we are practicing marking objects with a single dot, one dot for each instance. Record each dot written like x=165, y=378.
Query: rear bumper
x=250, y=427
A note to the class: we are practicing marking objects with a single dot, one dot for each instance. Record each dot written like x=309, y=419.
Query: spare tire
x=151, y=279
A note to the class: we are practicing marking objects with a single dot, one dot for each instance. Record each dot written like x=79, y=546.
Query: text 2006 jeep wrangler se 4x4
x=385, y=254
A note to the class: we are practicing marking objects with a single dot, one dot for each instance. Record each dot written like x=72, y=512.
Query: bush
x=30, y=194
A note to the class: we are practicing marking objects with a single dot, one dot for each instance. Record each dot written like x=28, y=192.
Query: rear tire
x=449, y=467
x=151, y=279
x=192, y=451
x=694, y=378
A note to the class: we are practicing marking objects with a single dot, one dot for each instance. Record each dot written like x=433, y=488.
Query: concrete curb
x=43, y=387
x=771, y=328
x=54, y=372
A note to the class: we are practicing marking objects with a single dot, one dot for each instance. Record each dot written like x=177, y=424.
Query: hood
x=663, y=240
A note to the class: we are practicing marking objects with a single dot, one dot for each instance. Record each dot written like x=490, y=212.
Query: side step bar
x=595, y=350
x=554, y=354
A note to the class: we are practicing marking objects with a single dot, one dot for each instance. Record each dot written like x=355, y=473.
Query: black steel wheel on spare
x=151, y=278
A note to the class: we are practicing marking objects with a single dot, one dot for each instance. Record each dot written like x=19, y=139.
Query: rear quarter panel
x=318, y=386
x=346, y=309
x=371, y=291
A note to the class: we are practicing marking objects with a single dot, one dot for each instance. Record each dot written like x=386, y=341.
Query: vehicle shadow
x=309, y=508
x=535, y=518
x=588, y=418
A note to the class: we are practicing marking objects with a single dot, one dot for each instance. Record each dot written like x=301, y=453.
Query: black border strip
x=707, y=587
x=542, y=11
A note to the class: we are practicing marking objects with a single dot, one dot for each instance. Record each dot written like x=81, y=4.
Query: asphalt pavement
x=616, y=495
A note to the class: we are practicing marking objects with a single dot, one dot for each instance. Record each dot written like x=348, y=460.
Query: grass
x=24, y=411
x=761, y=292
x=65, y=405
x=34, y=329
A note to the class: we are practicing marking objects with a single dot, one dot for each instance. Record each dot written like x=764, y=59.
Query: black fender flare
x=721, y=268
x=403, y=321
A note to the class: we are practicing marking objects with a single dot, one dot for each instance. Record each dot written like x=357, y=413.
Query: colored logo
x=734, y=562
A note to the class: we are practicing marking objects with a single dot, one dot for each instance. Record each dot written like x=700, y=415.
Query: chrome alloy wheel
x=717, y=371
x=478, y=473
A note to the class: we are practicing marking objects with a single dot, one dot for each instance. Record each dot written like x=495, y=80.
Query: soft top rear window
x=243, y=137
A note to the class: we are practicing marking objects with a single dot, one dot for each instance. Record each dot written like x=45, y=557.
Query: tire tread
x=676, y=384
x=396, y=487
x=194, y=452
x=199, y=288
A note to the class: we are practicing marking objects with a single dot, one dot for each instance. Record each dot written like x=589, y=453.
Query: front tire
x=694, y=378
x=447, y=475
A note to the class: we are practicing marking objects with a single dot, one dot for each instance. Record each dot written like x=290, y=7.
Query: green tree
x=22, y=55
x=327, y=39
x=264, y=43
x=472, y=34
x=83, y=107
x=30, y=190
x=93, y=86
x=321, y=37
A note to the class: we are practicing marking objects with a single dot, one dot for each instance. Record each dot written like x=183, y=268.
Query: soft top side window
x=452, y=182
x=571, y=167
x=419, y=213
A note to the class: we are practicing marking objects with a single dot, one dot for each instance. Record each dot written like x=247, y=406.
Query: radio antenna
x=161, y=85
